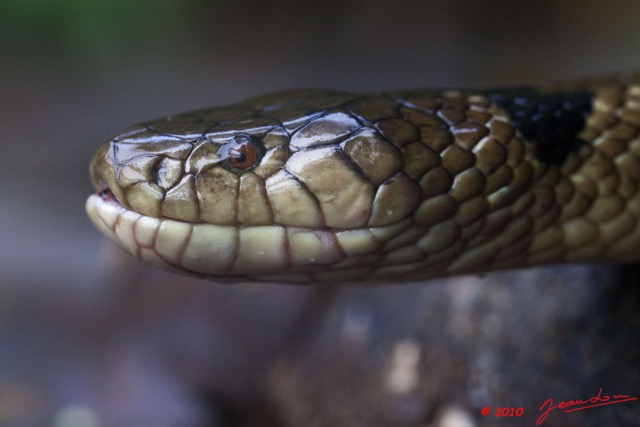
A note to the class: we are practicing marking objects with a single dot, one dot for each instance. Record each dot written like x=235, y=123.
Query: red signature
x=578, y=405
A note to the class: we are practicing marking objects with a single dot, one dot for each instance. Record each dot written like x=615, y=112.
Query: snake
x=312, y=186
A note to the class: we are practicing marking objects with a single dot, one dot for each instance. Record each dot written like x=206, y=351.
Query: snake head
x=311, y=185
x=270, y=167
x=297, y=158
x=293, y=186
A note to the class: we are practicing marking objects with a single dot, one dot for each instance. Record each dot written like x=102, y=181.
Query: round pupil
x=241, y=157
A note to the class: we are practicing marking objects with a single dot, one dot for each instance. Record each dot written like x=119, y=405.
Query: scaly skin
x=319, y=186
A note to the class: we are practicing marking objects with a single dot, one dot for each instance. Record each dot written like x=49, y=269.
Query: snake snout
x=103, y=176
x=101, y=188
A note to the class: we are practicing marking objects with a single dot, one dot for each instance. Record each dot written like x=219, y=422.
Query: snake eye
x=242, y=154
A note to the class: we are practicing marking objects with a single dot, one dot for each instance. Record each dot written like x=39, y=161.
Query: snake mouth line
x=108, y=196
x=105, y=193
x=236, y=253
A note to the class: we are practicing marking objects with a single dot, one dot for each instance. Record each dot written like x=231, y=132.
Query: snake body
x=323, y=186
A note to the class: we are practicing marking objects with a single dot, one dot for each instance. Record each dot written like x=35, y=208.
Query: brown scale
x=399, y=185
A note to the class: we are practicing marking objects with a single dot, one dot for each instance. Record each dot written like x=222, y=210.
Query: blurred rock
x=404, y=355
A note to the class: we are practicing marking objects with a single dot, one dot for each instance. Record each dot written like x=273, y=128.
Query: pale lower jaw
x=225, y=253
x=132, y=232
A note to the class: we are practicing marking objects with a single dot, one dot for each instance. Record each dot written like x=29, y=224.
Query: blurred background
x=89, y=337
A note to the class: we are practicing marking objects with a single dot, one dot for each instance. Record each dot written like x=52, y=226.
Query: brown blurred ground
x=88, y=337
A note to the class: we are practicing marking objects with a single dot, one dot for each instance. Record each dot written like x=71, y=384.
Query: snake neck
x=587, y=208
x=564, y=191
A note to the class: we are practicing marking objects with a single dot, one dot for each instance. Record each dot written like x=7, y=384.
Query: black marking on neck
x=550, y=120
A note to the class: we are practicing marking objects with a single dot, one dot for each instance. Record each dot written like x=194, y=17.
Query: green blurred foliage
x=92, y=29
